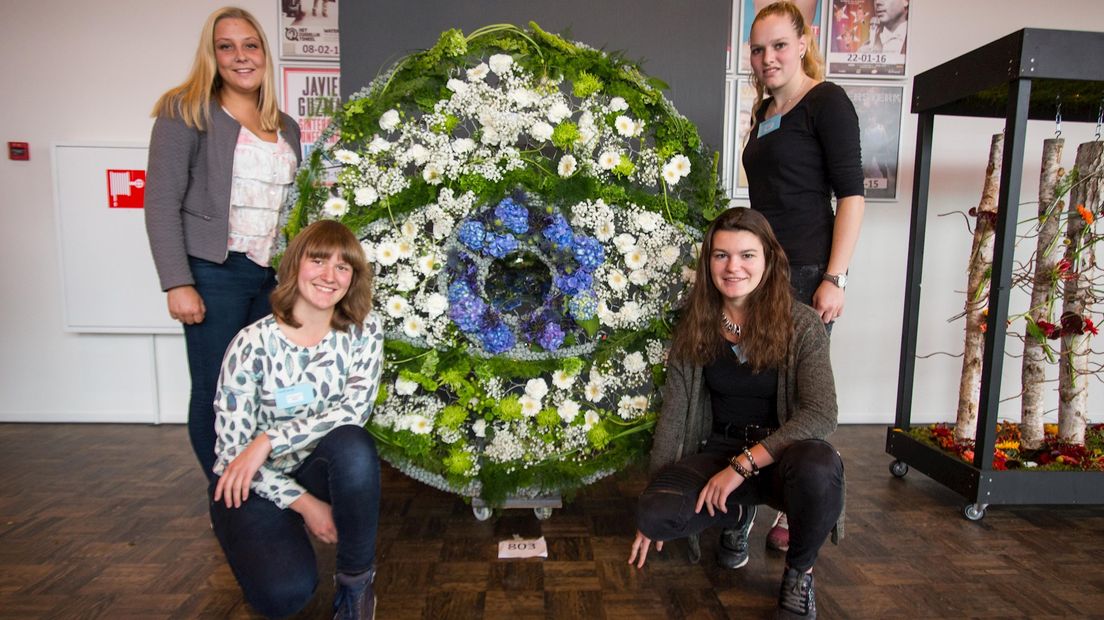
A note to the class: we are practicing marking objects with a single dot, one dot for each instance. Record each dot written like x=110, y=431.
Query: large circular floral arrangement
x=530, y=206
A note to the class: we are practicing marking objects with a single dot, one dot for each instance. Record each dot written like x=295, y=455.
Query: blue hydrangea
x=466, y=310
x=499, y=246
x=559, y=232
x=572, y=284
x=513, y=216
x=498, y=338
x=583, y=305
x=472, y=235
x=551, y=337
x=588, y=252
x=459, y=290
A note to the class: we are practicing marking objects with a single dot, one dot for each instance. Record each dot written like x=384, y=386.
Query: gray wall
x=682, y=43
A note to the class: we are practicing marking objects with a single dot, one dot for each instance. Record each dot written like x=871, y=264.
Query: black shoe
x=355, y=598
x=733, y=551
x=797, y=598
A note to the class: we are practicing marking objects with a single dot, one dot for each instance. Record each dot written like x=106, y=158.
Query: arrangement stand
x=542, y=506
x=1018, y=77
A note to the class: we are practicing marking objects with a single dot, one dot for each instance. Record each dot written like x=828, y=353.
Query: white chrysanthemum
x=623, y=242
x=618, y=104
x=530, y=406
x=387, y=253
x=624, y=126
x=409, y=229
x=567, y=166
x=418, y=424
x=688, y=274
x=640, y=403
x=536, y=388
x=562, y=380
x=605, y=230
x=462, y=146
x=636, y=257
x=346, y=157
x=681, y=164
x=500, y=63
x=617, y=280
x=568, y=410
x=648, y=221
x=405, y=387
x=378, y=145
x=634, y=362
x=668, y=254
x=479, y=428
x=335, y=207
x=435, y=305
x=522, y=97
x=418, y=154
x=457, y=86
x=432, y=174
x=397, y=306
x=631, y=311
x=405, y=280
x=414, y=326
x=389, y=120
x=671, y=175
x=558, y=112
x=593, y=391
x=590, y=419
x=428, y=264
x=639, y=277
x=638, y=127
x=365, y=196
x=406, y=248
x=609, y=160
x=369, y=251
x=586, y=134
x=478, y=72
x=541, y=131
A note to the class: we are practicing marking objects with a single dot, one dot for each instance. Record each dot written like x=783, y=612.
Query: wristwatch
x=839, y=280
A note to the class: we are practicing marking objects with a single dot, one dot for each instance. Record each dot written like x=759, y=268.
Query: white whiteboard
x=109, y=284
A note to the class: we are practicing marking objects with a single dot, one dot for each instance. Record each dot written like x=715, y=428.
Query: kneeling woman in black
x=748, y=403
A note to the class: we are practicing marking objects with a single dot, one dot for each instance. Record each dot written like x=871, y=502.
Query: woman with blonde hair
x=221, y=159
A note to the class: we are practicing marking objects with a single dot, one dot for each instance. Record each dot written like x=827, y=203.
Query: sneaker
x=797, y=598
x=355, y=598
x=733, y=551
x=778, y=538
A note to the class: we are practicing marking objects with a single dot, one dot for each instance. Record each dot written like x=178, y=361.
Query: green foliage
x=586, y=85
x=565, y=135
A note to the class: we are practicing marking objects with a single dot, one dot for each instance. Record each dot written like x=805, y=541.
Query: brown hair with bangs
x=768, y=322
x=321, y=240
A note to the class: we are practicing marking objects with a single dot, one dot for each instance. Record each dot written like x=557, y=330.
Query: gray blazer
x=188, y=191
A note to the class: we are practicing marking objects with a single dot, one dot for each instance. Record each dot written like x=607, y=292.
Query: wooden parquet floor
x=109, y=521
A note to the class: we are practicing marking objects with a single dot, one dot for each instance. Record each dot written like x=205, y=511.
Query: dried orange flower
x=1085, y=214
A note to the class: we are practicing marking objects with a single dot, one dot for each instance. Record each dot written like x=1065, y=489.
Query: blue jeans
x=235, y=294
x=269, y=550
x=804, y=279
x=806, y=483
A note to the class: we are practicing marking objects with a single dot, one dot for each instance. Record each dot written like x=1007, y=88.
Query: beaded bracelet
x=751, y=461
x=738, y=468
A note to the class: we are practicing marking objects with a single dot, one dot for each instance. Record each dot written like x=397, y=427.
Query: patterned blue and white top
x=293, y=394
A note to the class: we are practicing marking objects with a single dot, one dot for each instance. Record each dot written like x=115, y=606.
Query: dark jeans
x=806, y=483
x=235, y=294
x=804, y=279
x=269, y=550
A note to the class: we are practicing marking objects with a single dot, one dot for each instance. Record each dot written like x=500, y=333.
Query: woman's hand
x=185, y=305
x=828, y=301
x=640, y=548
x=318, y=517
x=716, y=491
x=233, y=486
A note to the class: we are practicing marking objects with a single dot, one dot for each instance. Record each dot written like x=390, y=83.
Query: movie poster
x=745, y=97
x=879, y=108
x=868, y=37
x=311, y=96
x=308, y=30
x=810, y=10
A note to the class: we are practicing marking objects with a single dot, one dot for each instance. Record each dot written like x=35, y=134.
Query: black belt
x=748, y=432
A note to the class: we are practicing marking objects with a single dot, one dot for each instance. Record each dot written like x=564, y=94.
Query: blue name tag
x=769, y=125
x=294, y=396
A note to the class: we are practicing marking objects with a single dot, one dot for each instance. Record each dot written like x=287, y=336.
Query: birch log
x=977, y=295
x=1073, y=369
x=1044, y=293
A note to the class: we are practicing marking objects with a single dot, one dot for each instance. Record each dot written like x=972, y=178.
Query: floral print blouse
x=293, y=394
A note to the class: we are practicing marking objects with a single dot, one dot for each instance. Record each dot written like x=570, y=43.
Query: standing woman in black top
x=802, y=148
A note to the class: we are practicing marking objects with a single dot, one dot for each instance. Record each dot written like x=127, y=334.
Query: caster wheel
x=482, y=512
x=898, y=469
x=973, y=512
x=543, y=513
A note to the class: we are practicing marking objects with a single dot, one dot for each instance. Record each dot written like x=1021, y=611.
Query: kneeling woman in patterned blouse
x=295, y=392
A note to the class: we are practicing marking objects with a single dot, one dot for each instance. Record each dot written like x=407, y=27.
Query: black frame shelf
x=1018, y=77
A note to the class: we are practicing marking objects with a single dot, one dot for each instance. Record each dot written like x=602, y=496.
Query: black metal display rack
x=1018, y=77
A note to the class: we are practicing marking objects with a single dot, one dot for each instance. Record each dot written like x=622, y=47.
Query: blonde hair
x=191, y=100
x=812, y=64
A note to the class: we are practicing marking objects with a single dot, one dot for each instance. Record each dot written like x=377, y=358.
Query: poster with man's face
x=879, y=109
x=867, y=37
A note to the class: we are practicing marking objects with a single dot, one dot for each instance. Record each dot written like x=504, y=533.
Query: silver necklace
x=728, y=325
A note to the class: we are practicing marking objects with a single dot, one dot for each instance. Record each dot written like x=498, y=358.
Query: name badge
x=294, y=396
x=769, y=125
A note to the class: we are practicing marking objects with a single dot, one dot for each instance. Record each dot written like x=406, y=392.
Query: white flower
x=365, y=196
x=397, y=306
x=634, y=362
x=558, y=112
x=635, y=258
x=541, y=131
x=530, y=406
x=639, y=277
x=562, y=380
x=418, y=424
x=405, y=387
x=478, y=72
x=568, y=410
x=536, y=388
x=500, y=63
x=624, y=126
x=405, y=280
x=640, y=402
x=689, y=274
x=522, y=97
x=638, y=127
x=346, y=157
x=567, y=166
x=457, y=86
x=617, y=104
x=427, y=265
x=671, y=174
x=387, y=253
x=409, y=229
x=378, y=145
x=648, y=221
x=406, y=249
x=435, y=305
x=590, y=419
x=609, y=160
x=463, y=145
x=593, y=391
x=631, y=311
x=681, y=164
x=335, y=207
x=624, y=242
x=414, y=327
x=605, y=230
x=479, y=427
x=586, y=134
x=668, y=255
x=369, y=251
x=617, y=280
x=418, y=154
x=389, y=120
x=432, y=174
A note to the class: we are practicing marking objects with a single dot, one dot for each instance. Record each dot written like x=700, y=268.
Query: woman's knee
x=814, y=460
x=660, y=515
x=352, y=452
x=284, y=597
